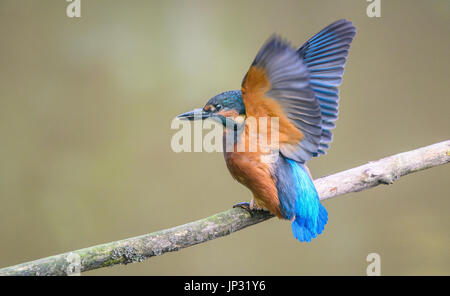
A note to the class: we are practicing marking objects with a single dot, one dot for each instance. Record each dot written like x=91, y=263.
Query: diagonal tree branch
x=136, y=249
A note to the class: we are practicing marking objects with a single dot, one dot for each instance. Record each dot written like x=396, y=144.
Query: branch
x=136, y=249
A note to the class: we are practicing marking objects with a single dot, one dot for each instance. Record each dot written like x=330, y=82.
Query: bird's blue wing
x=325, y=55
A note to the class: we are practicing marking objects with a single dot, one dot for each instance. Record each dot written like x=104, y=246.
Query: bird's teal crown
x=229, y=100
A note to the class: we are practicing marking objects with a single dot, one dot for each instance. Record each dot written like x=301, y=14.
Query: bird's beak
x=196, y=114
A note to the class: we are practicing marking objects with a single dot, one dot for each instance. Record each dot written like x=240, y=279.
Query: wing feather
x=325, y=55
x=302, y=84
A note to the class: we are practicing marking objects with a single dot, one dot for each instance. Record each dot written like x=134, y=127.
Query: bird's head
x=226, y=108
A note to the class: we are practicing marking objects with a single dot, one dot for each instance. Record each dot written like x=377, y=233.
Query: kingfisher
x=298, y=87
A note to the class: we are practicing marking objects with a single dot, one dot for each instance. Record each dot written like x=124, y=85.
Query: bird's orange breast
x=249, y=169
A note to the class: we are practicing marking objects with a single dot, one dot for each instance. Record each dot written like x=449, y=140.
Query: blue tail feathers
x=310, y=215
x=303, y=229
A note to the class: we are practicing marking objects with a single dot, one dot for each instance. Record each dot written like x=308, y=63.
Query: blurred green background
x=85, y=112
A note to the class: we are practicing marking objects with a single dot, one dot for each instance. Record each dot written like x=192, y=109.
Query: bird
x=299, y=87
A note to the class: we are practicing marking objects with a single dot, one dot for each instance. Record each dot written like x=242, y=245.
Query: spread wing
x=299, y=87
x=325, y=55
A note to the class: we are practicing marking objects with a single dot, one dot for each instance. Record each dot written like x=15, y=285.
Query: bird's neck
x=233, y=135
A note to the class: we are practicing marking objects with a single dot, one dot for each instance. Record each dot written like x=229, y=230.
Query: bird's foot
x=246, y=206
x=250, y=207
x=243, y=205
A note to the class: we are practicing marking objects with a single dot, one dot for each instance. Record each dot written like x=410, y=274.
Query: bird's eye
x=209, y=108
x=218, y=107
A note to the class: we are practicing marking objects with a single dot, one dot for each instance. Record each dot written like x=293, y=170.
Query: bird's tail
x=310, y=215
x=304, y=229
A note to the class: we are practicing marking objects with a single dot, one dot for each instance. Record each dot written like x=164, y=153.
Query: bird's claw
x=245, y=206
